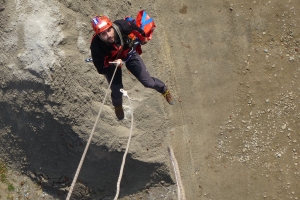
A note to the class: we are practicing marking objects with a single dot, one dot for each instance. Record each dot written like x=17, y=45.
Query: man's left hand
x=145, y=41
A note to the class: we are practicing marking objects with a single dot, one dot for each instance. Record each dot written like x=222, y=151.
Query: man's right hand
x=117, y=63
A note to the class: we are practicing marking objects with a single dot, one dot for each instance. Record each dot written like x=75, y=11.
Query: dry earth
x=233, y=67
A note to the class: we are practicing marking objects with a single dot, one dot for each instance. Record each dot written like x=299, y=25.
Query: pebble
x=278, y=155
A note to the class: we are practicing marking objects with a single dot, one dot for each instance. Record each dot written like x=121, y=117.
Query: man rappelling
x=118, y=42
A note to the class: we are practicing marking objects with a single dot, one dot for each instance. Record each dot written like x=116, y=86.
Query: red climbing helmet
x=100, y=24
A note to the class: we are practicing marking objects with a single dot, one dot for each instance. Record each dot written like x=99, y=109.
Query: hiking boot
x=119, y=112
x=168, y=97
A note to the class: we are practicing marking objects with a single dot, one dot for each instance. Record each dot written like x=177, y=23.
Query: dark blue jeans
x=137, y=67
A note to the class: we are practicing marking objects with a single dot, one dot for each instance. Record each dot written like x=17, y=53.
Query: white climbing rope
x=89, y=140
x=127, y=147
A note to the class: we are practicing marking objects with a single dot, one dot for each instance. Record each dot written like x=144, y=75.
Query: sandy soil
x=233, y=68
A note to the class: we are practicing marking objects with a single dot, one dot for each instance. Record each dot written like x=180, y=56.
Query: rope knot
x=124, y=92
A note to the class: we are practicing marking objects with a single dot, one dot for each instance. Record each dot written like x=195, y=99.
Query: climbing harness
x=129, y=55
x=133, y=50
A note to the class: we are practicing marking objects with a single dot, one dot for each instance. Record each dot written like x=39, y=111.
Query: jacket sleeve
x=127, y=27
x=98, y=57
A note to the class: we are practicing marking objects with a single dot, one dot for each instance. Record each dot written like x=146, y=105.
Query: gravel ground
x=232, y=66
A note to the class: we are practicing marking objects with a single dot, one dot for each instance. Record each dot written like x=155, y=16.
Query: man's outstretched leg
x=137, y=67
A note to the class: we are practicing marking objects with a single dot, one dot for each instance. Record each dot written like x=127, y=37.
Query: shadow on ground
x=48, y=151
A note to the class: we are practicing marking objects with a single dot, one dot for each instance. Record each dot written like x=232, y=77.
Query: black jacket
x=100, y=49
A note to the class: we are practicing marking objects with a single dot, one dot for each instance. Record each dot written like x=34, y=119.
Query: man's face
x=108, y=35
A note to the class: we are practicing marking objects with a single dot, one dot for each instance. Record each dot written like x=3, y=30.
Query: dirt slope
x=233, y=68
